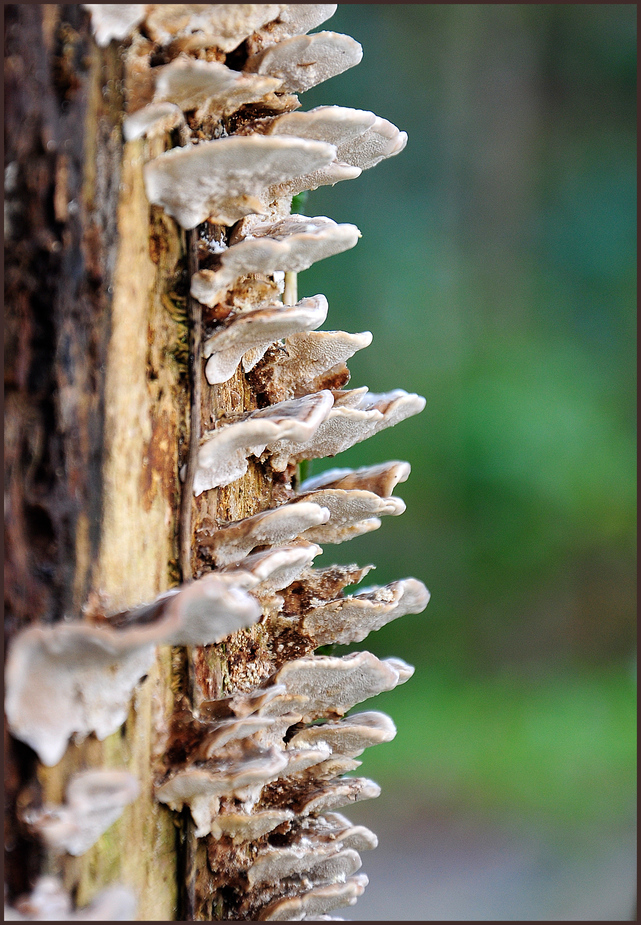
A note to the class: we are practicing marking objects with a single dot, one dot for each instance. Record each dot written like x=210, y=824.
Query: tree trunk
x=106, y=399
x=96, y=416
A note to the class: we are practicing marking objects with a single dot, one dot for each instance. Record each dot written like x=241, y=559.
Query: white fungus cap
x=114, y=20
x=222, y=180
x=304, y=61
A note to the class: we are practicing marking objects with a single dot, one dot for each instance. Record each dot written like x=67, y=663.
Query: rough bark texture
x=96, y=417
x=97, y=425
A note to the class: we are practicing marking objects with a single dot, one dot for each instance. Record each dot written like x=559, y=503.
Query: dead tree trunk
x=96, y=367
x=106, y=404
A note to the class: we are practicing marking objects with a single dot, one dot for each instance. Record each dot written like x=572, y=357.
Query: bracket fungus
x=94, y=800
x=114, y=20
x=49, y=901
x=222, y=180
x=221, y=25
x=352, y=619
x=355, y=416
x=256, y=331
x=233, y=541
x=289, y=244
x=304, y=61
x=381, y=479
x=294, y=19
x=224, y=452
x=258, y=755
x=194, y=84
x=307, y=363
x=362, y=139
x=76, y=678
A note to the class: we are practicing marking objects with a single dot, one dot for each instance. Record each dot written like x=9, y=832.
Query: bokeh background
x=497, y=272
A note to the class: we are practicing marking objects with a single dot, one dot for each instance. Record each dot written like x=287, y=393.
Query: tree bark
x=106, y=402
x=96, y=420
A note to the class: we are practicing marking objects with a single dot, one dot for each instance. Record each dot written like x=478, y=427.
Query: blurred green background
x=497, y=272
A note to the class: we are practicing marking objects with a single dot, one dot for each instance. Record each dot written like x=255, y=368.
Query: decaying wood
x=96, y=416
x=107, y=400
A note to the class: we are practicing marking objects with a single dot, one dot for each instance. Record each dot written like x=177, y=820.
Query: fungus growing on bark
x=307, y=363
x=317, y=900
x=294, y=19
x=201, y=788
x=288, y=244
x=353, y=618
x=274, y=569
x=348, y=510
x=94, y=800
x=223, y=180
x=233, y=541
x=361, y=138
x=349, y=736
x=304, y=61
x=332, y=686
x=50, y=901
x=381, y=479
x=255, y=331
x=260, y=774
x=209, y=86
x=75, y=678
x=114, y=20
x=153, y=120
x=224, y=452
x=223, y=25
x=355, y=416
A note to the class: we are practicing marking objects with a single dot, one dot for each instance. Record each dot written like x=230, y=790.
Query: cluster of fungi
x=259, y=763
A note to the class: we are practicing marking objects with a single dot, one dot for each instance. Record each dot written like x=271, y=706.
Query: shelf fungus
x=259, y=751
x=223, y=180
x=304, y=61
x=49, y=901
x=94, y=801
x=78, y=678
x=355, y=416
x=294, y=19
x=224, y=453
x=255, y=331
x=290, y=244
